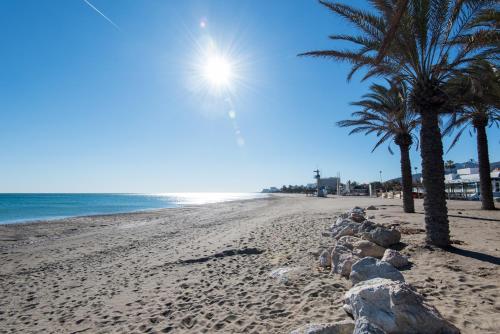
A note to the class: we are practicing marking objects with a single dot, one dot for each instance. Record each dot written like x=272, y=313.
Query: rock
x=357, y=217
x=357, y=209
x=393, y=307
x=342, y=260
x=348, y=241
x=340, y=220
x=362, y=248
x=369, y=267
x=357, y=214
x=362, y=326
x=383, y=236
x=341, y=327
x=347, y=230
x=284, y=274
x=367, y=226
x=395, y=258
x=325, y=259
x=346, y=227
x=371, y=207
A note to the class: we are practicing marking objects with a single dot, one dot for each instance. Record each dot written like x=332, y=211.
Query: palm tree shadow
x=475, y=255
x=468, y=217
x=475, y=218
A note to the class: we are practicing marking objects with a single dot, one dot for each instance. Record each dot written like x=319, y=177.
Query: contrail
x=100, y=13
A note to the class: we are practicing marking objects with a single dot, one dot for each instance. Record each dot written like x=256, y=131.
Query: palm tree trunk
x=431, y=149
x=484, y=169
x=406, y=179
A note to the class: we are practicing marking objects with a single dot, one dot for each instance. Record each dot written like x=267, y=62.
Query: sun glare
x=217, y=71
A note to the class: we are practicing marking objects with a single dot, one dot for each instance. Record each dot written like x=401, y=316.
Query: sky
x=116, y=101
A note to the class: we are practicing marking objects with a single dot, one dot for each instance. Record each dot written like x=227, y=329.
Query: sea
x=18, y=208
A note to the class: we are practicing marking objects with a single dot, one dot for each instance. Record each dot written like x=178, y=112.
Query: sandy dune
x=206, y=269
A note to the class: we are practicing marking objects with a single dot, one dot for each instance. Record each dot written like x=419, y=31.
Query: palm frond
x=384, y=112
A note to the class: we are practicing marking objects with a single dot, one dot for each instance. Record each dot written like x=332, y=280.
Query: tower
x=317, y=177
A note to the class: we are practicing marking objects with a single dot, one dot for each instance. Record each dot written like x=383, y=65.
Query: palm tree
x=449, y=165
x=385, y=112
x=423, y=42
x=477, y=93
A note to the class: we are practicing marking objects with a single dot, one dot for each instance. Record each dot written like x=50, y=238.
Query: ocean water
x=15, y=208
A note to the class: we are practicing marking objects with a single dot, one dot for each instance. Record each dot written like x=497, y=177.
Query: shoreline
x=97, y=215
x=54, y=219
x=206, y=268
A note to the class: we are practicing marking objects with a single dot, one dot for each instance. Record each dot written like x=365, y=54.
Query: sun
x=217, y=71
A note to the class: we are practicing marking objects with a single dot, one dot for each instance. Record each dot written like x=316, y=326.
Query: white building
x=464, y=184
x=270, y=190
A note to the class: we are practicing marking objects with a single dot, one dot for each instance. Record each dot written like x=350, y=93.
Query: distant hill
x=458, y=165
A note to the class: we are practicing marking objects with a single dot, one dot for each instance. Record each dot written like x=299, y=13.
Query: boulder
x=357, y=209
x=362, y=326
x=348, y=241
x=393, y=307
x=367, y=226
x=344, y=215
x=358, y=218
x=371, y=207
x=382, y=236
x=362, y=248
x=395, y=258
x=369, y=267
x=341, y=327
x=340, y=220
x=342, y=260
x=346, y=227
x=325, y=259
x=356, y=214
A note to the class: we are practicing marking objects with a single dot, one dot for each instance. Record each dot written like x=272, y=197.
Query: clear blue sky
x=87, y=107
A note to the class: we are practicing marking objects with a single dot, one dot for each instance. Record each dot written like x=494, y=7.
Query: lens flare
x=217, y=69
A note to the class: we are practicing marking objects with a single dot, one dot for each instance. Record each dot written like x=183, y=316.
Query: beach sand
x=166, y=271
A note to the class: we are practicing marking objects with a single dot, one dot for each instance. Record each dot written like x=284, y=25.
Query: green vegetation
x=422, y=43
x=385, y=112
x=476, y=93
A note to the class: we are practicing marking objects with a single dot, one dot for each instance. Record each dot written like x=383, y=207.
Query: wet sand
x=206, y=269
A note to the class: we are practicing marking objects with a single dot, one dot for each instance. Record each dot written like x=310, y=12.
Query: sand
x=206, y=269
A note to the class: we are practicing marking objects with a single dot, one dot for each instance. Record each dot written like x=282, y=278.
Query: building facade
x=465, y=184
